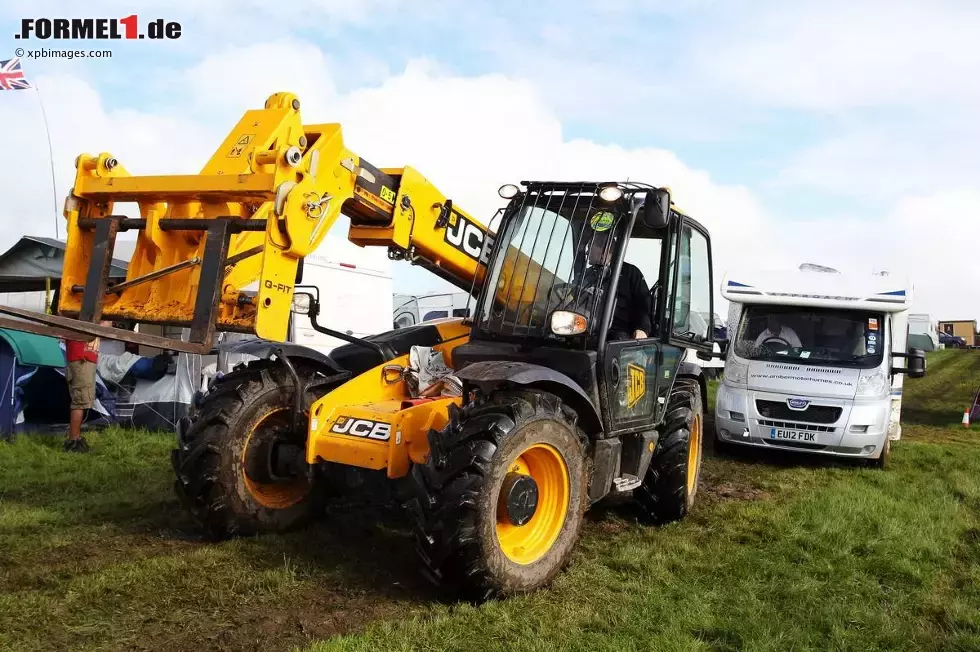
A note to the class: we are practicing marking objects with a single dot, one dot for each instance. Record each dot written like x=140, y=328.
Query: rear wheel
x=240, y=468
x=499, y=503
x=671, y=482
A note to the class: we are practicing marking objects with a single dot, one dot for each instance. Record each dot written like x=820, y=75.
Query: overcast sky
x=841, y=133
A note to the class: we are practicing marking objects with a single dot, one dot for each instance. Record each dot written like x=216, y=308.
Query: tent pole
x=47, y=295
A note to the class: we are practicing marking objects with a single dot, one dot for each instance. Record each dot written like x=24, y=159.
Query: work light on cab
x=564, y=322
x=508, y=191
x=610, y=193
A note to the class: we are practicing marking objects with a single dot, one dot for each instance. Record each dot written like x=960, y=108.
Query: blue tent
x=33, y=390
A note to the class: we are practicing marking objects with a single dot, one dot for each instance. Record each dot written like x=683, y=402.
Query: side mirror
x=656, y=209
x=302, y=302
x=916, y=363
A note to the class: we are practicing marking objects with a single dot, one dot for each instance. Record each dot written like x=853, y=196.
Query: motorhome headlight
x=564, y=322
x=872, y=383
x=736, y=372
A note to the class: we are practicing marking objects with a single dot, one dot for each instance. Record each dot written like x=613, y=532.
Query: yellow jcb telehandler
x=554, y=407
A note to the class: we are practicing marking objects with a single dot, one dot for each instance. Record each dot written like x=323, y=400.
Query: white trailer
x=811, y=364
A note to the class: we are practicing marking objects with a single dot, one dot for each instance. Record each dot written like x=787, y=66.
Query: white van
x=811, y=362
x=410, y=310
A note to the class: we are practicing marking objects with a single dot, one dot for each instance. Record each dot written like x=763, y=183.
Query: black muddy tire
x=671, y=482
x=247, y=408
x=456, y=502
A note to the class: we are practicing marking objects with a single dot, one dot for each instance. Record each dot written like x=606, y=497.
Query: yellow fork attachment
x=215, y=251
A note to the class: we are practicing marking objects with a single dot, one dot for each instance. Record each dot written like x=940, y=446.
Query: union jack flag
x=11, y=76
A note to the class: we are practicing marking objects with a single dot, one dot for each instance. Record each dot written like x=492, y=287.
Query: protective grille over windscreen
x=555, y=250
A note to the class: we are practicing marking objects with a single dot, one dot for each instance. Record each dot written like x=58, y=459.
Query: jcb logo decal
x=637, y=384
x=377, y=430
x=468, y=238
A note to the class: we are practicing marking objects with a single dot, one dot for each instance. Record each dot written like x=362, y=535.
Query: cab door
x=631, y=368
x=688, y=305
x=631, y=376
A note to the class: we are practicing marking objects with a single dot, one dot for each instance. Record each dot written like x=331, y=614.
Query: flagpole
x=54, y=186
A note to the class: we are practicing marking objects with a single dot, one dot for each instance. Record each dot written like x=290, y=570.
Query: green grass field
x=781, y=553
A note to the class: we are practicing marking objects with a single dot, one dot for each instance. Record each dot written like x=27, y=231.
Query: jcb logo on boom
x=362, y=428
x=467, y=237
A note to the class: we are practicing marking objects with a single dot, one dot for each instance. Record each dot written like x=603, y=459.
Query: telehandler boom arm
x=221, y=250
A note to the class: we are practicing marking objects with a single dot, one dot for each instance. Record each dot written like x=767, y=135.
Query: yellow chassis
x=372, y=422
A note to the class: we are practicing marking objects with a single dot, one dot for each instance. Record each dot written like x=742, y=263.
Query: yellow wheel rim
x=694, y=455
x=273, y=496
x=525, y=544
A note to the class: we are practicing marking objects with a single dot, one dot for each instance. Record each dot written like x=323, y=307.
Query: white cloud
x=887, y=161
x=838, y=54
x=922, y=237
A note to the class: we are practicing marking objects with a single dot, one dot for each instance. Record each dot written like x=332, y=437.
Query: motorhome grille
x=813, y=413
x=795, y=426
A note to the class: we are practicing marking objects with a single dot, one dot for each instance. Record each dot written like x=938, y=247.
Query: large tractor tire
x=220, y=452
x=500, y=502
x=671, y=482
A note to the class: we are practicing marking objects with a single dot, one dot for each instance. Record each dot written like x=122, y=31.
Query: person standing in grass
x=80, y=374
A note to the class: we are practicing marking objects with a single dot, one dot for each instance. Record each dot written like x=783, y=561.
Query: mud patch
x=732, y=491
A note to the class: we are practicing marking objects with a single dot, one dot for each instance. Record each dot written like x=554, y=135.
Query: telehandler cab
x=555, y=412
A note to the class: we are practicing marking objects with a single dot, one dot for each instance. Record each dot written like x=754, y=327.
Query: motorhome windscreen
x=814, y=336
x=554, y=254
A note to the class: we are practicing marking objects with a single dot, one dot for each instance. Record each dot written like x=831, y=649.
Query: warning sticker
x=872, y=324
x=240, y=145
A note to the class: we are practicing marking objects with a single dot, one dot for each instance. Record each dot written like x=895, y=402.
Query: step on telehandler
x=556, y=411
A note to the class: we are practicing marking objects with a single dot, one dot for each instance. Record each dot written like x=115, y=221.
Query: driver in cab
x=632, y=317
x=775, y=330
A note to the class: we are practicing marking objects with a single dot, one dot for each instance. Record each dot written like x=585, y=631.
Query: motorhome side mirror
x=916, y=363
x=656, y=209
x=302, y=302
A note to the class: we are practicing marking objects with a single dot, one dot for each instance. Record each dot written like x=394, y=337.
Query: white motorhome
x=811, y=362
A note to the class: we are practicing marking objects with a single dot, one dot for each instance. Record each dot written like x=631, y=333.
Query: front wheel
x=226, y=448
x=500, y=502
x=671, y=482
